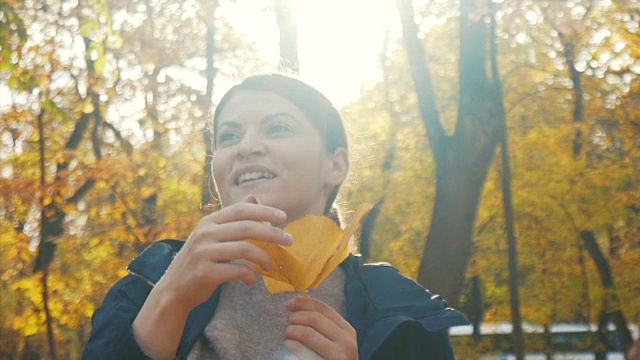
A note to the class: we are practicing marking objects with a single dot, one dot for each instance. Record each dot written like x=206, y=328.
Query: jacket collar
x=372, y=309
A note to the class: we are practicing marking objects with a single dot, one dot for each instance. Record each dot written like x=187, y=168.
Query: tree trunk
x=207, y=184
x=46, y=248
x=518, y=337
x=288, y=25
x=476, y=308
x=52, y=214
x=462, y=160
x=612, y=309
x=449, y=242
x=370, y=220
x=514, y=289
x=576, y=80
x=368, y=224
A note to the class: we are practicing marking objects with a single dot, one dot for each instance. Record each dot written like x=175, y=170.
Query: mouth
x=252, y=176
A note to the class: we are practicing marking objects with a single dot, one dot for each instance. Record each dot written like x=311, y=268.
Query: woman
x=280, y=153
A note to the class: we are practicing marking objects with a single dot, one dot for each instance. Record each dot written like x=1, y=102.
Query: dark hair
x=322, y=114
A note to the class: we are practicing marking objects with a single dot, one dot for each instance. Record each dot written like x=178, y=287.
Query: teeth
x=255, y=175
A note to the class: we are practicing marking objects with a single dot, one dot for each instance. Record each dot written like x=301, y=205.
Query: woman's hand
x=320, y=328
x=214, y=253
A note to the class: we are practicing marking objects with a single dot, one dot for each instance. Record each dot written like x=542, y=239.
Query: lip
x=250, y=168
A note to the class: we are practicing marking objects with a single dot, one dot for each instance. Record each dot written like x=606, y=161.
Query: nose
x=251, y=145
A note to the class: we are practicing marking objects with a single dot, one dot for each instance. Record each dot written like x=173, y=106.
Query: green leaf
x=53, y=108
x=99, y=64
x=13, y=83
x=88, y=27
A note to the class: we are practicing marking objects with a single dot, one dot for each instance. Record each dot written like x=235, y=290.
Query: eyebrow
x=235, y=124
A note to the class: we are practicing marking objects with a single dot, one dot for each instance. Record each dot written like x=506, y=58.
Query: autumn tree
x=114, y=89
x=555, y=195
x=288, y=26
x=462, y=159
x=123, y=88
x=545, y=116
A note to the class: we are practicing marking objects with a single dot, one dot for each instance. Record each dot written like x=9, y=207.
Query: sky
x=339, y=41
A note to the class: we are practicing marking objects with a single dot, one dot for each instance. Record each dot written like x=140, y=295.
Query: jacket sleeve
x=111, y=332
x=396, y=318
x=411, y=340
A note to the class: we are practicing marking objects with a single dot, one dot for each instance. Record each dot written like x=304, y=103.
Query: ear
x=337, y=168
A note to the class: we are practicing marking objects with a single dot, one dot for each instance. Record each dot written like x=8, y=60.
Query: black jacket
x=394, y=317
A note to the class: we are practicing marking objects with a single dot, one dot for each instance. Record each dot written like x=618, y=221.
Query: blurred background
x=500, y=141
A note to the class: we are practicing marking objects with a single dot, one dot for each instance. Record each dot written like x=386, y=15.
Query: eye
x=278, y=128
x=227, y=137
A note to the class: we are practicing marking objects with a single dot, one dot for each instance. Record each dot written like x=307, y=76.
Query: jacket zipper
x=146, y=279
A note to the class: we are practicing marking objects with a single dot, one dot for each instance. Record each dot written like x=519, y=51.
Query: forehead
x=249, y=105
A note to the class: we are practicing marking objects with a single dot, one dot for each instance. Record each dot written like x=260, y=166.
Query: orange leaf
x=319, y=246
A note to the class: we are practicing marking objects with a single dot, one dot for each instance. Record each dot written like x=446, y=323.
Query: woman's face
x=268, y=148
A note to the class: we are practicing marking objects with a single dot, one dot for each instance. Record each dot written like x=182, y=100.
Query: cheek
x=217, y=171
x=308, y=169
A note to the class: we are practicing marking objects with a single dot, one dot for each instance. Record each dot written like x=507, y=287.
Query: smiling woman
x=297, y=115
x=276, y=139
x=280, y=155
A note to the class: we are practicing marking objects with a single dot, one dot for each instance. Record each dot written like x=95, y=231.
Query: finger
x=245, y=229
x=228, y=251
x=300, y=351
x=235, y=271
x=307, y=303
x=311, y=339
x=247, y=211
x=318, y=322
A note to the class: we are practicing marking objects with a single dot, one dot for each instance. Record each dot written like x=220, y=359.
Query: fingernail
x=250, y=199
x=288, y=238
x=280, y=214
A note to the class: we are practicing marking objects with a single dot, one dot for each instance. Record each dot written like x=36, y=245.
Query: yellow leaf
x=342, y=251
x=319, y=246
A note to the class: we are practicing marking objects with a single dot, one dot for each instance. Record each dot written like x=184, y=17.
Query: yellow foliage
x=555, y=193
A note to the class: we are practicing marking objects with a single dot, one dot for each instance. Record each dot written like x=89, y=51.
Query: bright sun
x=339, y=41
